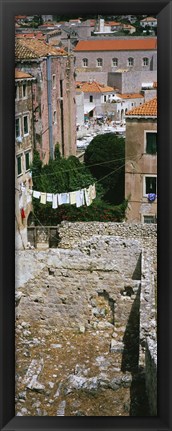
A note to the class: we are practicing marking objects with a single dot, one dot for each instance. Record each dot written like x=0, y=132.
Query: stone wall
x=151, y=374
x=71, y=234
x=131, y=81
x=100, y=278
x=81, y=286
x=148, y=324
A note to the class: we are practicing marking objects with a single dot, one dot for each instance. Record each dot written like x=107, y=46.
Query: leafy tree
x=62, y=175
x=105, y=156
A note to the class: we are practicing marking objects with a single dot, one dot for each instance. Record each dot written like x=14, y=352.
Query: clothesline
x=90, y=166
x=79, y=197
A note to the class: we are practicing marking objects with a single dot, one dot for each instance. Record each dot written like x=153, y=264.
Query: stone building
x=108, y=55
x=125, y=103
x=24, y=144
x=148, y=21
x=96, y=97
x=141, y=163
x=128, y=81
x=53, y=95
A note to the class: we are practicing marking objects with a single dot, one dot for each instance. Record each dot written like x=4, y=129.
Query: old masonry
x=86, y=342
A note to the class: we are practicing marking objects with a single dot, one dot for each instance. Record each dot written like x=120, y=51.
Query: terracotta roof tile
x=131, y=96
x=117, y=45
x=94, y=87
x=148, y=109
x=148, y=19
x=113, y=23
x=37, y=35
x=19, y=74
x=34, y=48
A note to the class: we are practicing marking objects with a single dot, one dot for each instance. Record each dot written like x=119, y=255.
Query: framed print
x=85, y=215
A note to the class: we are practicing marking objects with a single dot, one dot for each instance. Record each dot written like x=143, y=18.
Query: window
x=149, y=219
x=85, y=62
x=145, y=61
x=16, y=92
x=115, y=62
x=17, y=127
x=130, y=61
x=24, y=91
x=99, y=62
x=25, y=125
x=91, y=99
x=54, y=81
x=151, y=142
x=55, y=117
x=150, y=185
x=19, y=165
x=27, y=161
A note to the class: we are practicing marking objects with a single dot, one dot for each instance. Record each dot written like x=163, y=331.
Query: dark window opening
x=27, y=161
x=151, y=143
x=19, y=167
x=17, y=127
x=26, y=125
x=150, y=185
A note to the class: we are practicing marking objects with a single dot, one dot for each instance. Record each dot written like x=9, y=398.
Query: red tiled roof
x=35, y=48
x=113, y=23
x=131, y=96
x=20, y=16
x=125, y=26
x=37, y=35
x=148, y=19
x=117, y=45
x=148, y=109
x=94, y=87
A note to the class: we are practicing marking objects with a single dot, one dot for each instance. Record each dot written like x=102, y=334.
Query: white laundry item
x=63, y=198
x=72, y=198
x=21, y=202
x=36, y=194
x=49, y=197
x=43, y=198
x=54, y=202
x=80, y=198
x=93, y=191
x=29, y=198
x=88, y=198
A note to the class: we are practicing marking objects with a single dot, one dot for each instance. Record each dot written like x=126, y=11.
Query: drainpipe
x=49, y=93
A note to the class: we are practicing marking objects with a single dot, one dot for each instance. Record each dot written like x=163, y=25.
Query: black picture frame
x=8, y=421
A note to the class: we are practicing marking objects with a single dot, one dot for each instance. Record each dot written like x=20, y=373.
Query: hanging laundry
x=54, y=202
x=80, y=198
x=49, y=197
x=23, y=188
x=72, y=198
x=29, y=198
x=22, y=213
x=21, y=201
x=93, y=191
x=88, y=198
x=43, y=198
x=36, y=194
x=63, y=198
